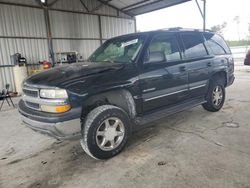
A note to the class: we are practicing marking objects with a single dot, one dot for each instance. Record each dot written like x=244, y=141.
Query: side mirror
x=156, y=57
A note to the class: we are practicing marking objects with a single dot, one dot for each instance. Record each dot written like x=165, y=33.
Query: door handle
x=209, y=64
x=182, y=68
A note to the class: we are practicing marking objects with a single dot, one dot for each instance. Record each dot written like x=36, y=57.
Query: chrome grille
x=33, y=101
x=30, y=92
x=29, y=95
x=32, y=105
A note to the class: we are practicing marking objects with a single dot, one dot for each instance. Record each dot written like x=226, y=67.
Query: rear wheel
x=105, y=132
x=215, y=96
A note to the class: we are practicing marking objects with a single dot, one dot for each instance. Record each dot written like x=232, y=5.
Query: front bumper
x=62, y=131
x=60, y=126
x=230, y=80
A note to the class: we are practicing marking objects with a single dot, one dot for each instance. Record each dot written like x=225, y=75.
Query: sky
x=187, y=15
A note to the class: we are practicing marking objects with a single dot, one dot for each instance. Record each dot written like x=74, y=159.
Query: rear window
x=194, y=46
x=216, y=44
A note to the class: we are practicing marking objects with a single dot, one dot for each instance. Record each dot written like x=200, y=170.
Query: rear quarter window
x=194, y=45
x=216, y=44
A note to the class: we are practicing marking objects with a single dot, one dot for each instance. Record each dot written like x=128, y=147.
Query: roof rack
x=170, y=29
x=183, y=29
x=209, y=30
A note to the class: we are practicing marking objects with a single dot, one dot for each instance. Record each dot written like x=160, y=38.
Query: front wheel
x=215, y=96
x=105, y=132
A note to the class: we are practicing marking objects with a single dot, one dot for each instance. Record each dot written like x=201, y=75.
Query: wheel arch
x=220, y=74
x=120, y=97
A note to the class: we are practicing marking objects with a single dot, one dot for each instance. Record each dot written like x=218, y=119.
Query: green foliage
x=238, y=43
x=219, y=28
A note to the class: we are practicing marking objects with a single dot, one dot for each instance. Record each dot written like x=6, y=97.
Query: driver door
x=164, y=79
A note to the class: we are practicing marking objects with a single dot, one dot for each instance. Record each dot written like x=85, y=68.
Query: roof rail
x=209, y=30
x=181, y=29
x=175, y=28
x=170, y=29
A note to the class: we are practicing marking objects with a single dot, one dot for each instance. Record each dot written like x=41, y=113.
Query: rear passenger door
x=198, y=63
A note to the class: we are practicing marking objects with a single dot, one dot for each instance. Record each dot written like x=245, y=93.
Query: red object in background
x=247, y=59
x=46, y=65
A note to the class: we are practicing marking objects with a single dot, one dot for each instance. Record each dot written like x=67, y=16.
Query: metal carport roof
x=136, y=7
x=129, y=7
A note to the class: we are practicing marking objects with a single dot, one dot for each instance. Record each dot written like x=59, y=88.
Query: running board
x=159, y=114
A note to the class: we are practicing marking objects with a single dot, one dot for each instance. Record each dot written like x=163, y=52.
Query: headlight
x=53, y=93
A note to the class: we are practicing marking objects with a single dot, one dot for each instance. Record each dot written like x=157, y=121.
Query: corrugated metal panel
x=150, y=6
x=75, y=5
x=121, y=4
x=106, y=10
x=72, y=25
x=136, y=7
x=121, y=14
x=23, y=2
x=6, y=76
x=84, y=47
x=112, y=27
x=32, y=49
x=21, y=21
x=18, y=21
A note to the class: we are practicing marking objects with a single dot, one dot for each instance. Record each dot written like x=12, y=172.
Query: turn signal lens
x=55, y=109
x=63, y=108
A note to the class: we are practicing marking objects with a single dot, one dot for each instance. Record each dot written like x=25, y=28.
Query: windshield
x=118, y=50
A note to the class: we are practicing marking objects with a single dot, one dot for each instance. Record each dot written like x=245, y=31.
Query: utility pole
x=204, y=15
x=202, y=12
x=45, y=6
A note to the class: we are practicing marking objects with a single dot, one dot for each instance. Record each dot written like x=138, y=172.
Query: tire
x=108, y=124
x=215, y=86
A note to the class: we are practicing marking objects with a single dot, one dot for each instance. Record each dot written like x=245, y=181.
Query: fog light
x=55, y=109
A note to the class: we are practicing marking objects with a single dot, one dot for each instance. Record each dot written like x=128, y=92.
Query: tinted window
x=194, y=47
x=166, y=44
x=216, y=44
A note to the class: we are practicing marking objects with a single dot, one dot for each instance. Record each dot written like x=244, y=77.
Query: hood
x=65, y=74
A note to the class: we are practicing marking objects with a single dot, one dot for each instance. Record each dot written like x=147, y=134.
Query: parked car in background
x=129, y=81
x=247, y=58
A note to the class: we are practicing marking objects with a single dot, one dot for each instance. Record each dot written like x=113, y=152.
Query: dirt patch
x=46, y=183
x=15, y=161
x=161, y=163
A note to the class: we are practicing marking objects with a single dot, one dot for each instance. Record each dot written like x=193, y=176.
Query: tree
x=249, y=29
x=219, y=28
x=237, y=21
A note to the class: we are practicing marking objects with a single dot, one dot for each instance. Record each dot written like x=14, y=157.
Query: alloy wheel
x=217, y=95
x=110, y=134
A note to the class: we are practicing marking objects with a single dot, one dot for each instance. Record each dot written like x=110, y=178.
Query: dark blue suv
x=129, y=81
